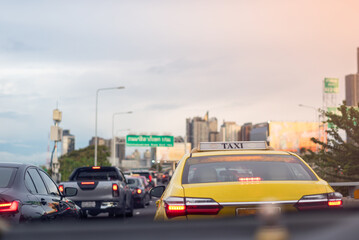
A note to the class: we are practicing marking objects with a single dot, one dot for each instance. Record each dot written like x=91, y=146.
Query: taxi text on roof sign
x=213, y=146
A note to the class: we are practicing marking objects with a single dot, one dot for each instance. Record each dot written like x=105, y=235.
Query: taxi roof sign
x=239, y=145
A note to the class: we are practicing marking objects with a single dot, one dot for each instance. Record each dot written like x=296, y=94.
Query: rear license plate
x=88, y=204
x=253, y=211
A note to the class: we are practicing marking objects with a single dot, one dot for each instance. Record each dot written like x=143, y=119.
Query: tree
x=82, y=158
x=338, y=159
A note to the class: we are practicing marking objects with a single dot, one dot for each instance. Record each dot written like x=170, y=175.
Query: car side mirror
x=70, y=192
x=157, y=191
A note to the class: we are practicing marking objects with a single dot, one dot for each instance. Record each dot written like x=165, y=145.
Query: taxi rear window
x=234, y=168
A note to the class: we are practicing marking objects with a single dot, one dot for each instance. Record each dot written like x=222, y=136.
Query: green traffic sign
x=149, y=141
x=331, y=85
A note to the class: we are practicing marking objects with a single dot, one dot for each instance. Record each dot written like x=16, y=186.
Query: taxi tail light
x=202, y=206
x=9, y=207
x=177, y=206
x=320, y=201
x=115, y=191
x=61, y=188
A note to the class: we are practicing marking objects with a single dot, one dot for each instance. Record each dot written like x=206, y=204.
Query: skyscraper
x=201, y=130
x=229, y=132
x=68, y=142
x=352, y=86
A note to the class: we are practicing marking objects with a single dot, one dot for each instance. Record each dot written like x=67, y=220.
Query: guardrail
x=352, y=187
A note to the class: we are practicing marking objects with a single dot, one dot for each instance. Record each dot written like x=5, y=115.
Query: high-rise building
x=100, y=141
x=229, y=131
x=244, y=134
x=68, y=142
x=352, y=86
x=201, y=130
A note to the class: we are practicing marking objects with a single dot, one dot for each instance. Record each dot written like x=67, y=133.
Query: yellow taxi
x=220, y=179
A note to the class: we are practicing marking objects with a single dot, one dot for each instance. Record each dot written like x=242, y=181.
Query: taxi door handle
x=43, y=202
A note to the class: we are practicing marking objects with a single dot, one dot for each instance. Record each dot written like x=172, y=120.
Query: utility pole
x=56, y=136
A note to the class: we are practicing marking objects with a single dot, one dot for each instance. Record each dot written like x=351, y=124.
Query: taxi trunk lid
x=232, y=195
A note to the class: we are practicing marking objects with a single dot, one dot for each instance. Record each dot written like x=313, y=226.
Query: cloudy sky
x=243, y=61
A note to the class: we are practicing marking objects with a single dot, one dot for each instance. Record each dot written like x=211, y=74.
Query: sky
x=243, y=61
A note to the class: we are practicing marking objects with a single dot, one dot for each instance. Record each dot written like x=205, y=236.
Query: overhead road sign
x=149, y=141
x=331, y=85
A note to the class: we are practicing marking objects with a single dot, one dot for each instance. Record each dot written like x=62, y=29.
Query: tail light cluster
x=320, y=201
x=61, y=188
x=137, y=191
x=178, y=206
x=115, y=191
x=9, y=207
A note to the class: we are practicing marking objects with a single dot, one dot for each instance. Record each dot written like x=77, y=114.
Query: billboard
x=174, y=153
x=293, y=136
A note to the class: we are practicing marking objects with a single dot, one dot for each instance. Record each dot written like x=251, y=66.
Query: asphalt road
x=139, y=215
x=323, y=225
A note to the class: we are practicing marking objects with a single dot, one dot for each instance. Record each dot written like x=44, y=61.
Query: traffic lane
x=145, y=214
x=311, y=225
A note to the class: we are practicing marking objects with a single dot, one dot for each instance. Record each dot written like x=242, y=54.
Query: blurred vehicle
x=28, y=193
x=140, y=193
x=100, y=190
x=241, y=178
x=150, y=176
x=165, y=177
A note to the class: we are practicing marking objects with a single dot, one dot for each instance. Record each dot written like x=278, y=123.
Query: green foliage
x=338, y=159
x=82, y=158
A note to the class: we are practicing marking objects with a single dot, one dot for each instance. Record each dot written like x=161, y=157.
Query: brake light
x=87, y=183
x=176, y=206
x=139, y=191
x=163, y=176
x=335, y=203
x=320, y=201
x=61, y=188
x=9, y=207
x=150, y=178
x=115, y=192
x=96, y=167
x=249, y=179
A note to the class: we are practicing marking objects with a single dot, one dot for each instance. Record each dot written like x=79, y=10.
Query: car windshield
x=237, y=168
x=145, y=174
x=98, y=174
x=133, y=182
x=5, y=176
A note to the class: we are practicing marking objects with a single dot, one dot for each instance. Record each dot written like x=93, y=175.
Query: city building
x=244, y=134
x=100, y=141
x=68, y=142
x=201, y=130
x=230, y=131
x=352, y=86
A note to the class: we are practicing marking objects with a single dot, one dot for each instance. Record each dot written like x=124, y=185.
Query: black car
x=28, y=193
x=140, y=193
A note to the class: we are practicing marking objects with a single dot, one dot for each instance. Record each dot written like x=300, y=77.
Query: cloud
x=10, y=115
x=35, y=159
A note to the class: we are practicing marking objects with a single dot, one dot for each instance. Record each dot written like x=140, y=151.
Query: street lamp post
x=317, y=117
x=98, y=90
x=113, y=152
